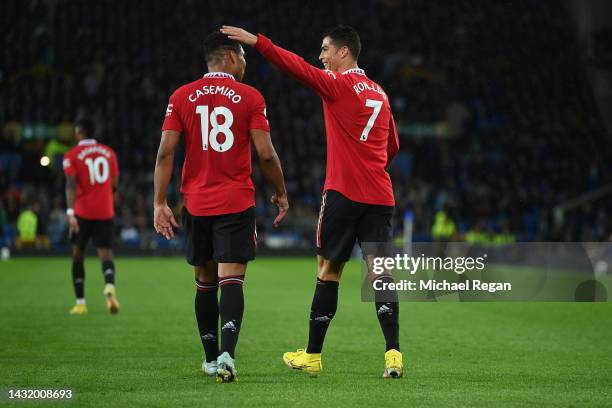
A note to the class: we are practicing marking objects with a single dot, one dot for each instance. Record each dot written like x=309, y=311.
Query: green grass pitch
x=456, y=354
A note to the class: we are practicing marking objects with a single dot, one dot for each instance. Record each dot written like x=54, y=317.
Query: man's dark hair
x=344, y=35
x=87, y=125
x=214, y=45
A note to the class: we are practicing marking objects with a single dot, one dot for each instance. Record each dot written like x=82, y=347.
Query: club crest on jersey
x=169, y=109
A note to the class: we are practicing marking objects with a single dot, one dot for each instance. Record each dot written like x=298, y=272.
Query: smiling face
x=340, y=48
x=331, y=56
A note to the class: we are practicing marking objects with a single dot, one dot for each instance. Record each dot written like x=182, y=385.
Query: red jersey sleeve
x=324, y=82
x=172, y=121
x=258, y=119
x=68, y=164
x=392, y=142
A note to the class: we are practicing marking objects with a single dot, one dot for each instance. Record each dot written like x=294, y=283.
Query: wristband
x=70, y=212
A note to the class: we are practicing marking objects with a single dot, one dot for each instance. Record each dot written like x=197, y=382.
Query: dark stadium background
x=504, y=110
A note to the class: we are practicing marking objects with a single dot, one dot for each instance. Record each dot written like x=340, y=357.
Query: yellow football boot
x=78, y=310
x=301, y=360
x=393, y=364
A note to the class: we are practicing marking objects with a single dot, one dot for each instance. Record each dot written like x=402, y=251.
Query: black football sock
x=231, y=308
x=322, y=311
x=387, y=310
x=78, y=279
x=108, y=269
x=207, y=315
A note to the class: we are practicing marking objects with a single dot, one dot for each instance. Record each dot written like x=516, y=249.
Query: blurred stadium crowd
x=497, y=119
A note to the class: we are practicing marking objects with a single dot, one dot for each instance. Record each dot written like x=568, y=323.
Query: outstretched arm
x=322, y=81
x=163, y=219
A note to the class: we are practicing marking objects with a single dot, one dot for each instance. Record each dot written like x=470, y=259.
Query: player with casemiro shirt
x=219, y=117
x=358, y=201
x=92, y=175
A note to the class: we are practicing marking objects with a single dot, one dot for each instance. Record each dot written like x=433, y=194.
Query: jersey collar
x=219, y=75
x=85, y=142
x=354, y=71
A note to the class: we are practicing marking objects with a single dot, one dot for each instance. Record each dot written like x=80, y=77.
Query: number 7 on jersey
x=376, y=105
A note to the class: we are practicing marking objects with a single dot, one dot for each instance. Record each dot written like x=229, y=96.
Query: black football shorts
x=100, y=231
x=342, y=221
x=227, y=238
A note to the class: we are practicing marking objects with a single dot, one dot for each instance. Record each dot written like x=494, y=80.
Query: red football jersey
x=361, y=135
x=94, y=165
x=215, y=114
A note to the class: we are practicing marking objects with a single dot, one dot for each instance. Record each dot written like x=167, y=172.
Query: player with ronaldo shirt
x=219, y=117
x=92, y=175
x=358, y=200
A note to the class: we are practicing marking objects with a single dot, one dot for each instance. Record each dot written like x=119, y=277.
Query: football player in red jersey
x=92, y=175
x=357, y=202
x=219, y=117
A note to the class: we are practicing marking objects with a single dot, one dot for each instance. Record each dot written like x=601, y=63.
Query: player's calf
x=78, y=279
x=387, y=311
x=108, y=270
x=78, y=282
x=322, y=311
x=207, y=316
x=231, y=309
